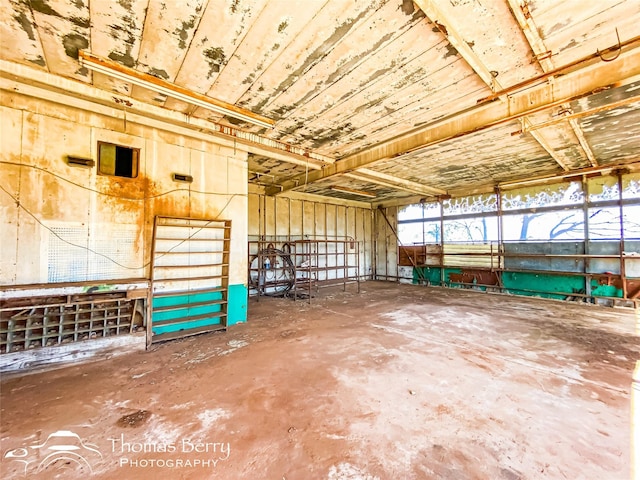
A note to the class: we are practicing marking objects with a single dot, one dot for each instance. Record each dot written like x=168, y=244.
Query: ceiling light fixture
x=354, y=191
x=144, y=80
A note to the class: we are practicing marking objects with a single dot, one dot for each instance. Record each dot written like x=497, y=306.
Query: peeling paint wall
x=296, y=218
x=70, y=224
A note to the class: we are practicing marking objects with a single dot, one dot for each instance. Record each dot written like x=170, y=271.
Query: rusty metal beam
x=586, y=148
x=520, y=11
x=586, y=113
x=602, y=170
x=25, y=80
x=574, y=66
x=446, y=26
x=532, y=97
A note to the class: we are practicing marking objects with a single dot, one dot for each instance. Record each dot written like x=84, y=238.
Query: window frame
x=135, y=161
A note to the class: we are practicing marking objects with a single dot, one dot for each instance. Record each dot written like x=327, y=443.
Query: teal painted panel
x=542, y=285
x=527, y=284
x=169, y=301
x=185, y=312
x=598, y=290
x=447, y=280
x=157, y=330
x=432, y=274
x=237, y=307
x=182, y=299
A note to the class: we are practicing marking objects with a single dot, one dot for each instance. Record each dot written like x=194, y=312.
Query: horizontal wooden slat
x=186, y=333
x=193, y=266
x=190, y=239
x=190, y=318
x=189, y=292
x=184, y=279
x=183, y=306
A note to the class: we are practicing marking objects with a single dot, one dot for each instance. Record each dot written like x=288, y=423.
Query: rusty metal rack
x=299, y=267
x=324, y=263
x=35, y=322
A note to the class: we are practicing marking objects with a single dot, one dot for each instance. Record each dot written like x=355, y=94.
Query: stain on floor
x=399, y=381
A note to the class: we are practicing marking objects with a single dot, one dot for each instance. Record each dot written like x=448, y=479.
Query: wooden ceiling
x=392, y=97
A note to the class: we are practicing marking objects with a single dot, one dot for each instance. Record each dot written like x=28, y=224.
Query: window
x=544, y=225
x=559, y=194
x=479, y=229
x=118, y=161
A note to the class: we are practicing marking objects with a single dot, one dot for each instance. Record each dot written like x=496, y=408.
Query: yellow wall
x=103, y=216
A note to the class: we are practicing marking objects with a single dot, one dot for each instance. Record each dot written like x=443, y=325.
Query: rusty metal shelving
x=298, y=267
x=317, y=261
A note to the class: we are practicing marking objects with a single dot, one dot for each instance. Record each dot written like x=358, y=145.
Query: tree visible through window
x=535, y=213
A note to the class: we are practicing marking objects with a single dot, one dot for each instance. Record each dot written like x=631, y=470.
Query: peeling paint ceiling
x=340, y=77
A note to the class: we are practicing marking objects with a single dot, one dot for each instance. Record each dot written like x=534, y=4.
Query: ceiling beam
x=386, y=180
x=144, y=80
x=582, y=79
x=520, y=10
x=546, y=140
x=543, y=179
x=583, y=141
x=445, y=25
x=602, y=170
x=587, y=112
x=543, y=143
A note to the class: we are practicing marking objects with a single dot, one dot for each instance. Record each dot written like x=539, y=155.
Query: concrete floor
x=399, y=382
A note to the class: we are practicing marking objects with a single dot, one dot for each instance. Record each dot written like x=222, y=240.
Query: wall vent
x=181, y=177
x=80, y=162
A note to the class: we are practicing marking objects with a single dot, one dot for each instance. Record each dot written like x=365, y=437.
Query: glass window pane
x=419, y=211
x=631, y=222
x=419, y=233
x=602, y=188
x=562, y=225
x=471, y=230
x=604, y=223
x=567, y=193
x=470, y=204
x=410, y=233
x=107, y=158
x=631, y=185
